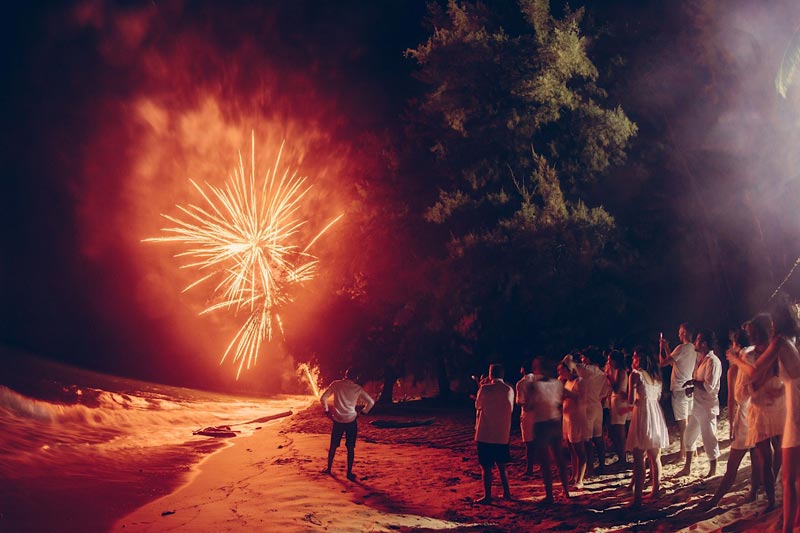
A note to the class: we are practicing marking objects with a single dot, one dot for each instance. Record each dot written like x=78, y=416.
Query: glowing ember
x=311, y=374
x=244, y=241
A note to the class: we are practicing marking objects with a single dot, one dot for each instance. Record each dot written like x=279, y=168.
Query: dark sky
x=110, y=108
x=108, y=105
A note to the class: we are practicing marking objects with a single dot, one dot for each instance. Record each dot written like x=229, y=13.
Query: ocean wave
x=113, y=421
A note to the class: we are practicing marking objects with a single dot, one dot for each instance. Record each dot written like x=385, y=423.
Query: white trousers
x=702, y=422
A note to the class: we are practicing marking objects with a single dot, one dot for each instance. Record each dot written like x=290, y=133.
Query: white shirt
x=345, y=394
x=525, y=392
x=709, y=371
x=595, y=383
x=684, y=360
x=494, y=404
x=547, y=396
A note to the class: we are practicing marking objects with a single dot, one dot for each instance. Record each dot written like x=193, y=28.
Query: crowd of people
x=562, y=408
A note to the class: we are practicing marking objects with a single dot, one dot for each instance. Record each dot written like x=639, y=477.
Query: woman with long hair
x=738, y=406
x=782, y=349
x=765, y=417
x=648, y=430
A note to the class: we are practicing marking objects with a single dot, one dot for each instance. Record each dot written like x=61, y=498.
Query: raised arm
x=757, y=371
x=663, y=350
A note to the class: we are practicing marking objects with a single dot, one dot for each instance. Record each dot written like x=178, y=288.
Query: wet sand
x=424, y=479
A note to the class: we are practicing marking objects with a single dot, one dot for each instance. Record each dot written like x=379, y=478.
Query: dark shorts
x=349, y=430
x=491, y=454
x=547, y=433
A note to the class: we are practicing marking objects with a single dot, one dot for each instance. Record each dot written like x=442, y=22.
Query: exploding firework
x=244, y=245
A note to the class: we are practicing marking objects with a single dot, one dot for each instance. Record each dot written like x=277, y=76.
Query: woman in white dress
x=738, y=406
x=782, y=348
x=767, y=411
x=648, y=430
x=573, y=422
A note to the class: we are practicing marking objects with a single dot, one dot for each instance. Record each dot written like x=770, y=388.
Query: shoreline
x=270, y=479
x=419, y=479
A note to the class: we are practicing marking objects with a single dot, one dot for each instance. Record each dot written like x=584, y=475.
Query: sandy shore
x=422, y=479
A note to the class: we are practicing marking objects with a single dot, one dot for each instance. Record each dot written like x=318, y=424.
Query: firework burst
x=244, y=245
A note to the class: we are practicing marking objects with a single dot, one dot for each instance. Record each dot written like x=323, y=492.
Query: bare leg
x=618, y=438
x=555, y=448
x=687, y=467
x=530, y=458
x=573, y=462
x=600, y=448
x=765, y=460
x=543, y=453
x=682, y=435
x=486, y=472
x=589, y=449
x=755, y=475
x=734, y=460
x=712, y=468
x=331, y=454
x=638, y=477
x=777, y=456
x=501, y=468
x=579, y=464
x=791, y=495
x=654, y=456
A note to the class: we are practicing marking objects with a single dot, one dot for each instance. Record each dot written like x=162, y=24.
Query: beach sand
x=422, y=479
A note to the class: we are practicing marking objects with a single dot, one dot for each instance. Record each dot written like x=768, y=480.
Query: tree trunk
x=444, y=382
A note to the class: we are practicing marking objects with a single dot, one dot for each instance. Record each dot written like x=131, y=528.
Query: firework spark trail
x=311, y=374
x=245, y=237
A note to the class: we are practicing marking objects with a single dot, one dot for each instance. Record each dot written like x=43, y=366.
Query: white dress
x=791, y=429
x=648, y=428
x=574, y=413
x=741, y=395
x=767, y=413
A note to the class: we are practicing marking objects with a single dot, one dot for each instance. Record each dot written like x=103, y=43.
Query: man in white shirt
x=547, y=398
x=683, y=359
x=704, y=386
x=493, y=406
x=346, y=395
x=525, y=401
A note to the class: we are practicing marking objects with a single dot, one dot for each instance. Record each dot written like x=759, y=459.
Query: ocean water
x=79, y=449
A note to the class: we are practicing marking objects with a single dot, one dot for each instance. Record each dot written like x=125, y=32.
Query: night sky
x=110, y=108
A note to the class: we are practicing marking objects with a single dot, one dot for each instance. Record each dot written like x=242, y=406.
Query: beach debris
x=310, y=517
x=217, y=431
x=267, y=418
x=402, y=423
x=167, y=513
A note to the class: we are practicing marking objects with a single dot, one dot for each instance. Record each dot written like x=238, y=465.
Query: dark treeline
x=531, y=177
x=567, y=177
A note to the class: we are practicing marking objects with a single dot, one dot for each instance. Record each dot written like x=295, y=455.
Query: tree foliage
x=518, y=128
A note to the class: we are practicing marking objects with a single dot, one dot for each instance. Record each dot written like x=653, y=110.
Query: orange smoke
x=188, y=113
